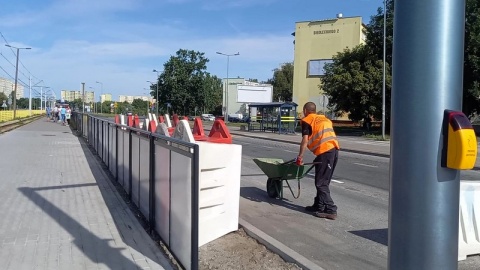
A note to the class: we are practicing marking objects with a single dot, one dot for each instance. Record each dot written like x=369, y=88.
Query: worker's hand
x=299, y=160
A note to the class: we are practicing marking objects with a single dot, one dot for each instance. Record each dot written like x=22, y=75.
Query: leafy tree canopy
x=282, y=82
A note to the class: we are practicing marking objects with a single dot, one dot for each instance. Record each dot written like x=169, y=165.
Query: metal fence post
x=130, y=165
x=116, y=153
x=195, y=207
x=151, y=193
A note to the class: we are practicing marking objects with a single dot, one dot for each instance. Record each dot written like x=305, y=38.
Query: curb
x=274, y=245
x=298, y=143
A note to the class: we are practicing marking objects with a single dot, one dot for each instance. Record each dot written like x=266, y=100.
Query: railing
x=160, y=176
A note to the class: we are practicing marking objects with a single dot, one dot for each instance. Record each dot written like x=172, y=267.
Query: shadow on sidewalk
x=101, y=175
x=257, y=195
x=376, y=235
x=87, y=242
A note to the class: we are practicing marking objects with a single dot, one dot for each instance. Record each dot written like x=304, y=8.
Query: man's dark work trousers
x=323, y=176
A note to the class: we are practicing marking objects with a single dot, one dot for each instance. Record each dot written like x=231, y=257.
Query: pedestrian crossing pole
x=427, y=79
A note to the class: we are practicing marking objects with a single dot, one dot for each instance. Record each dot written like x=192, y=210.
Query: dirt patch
x=237, y=250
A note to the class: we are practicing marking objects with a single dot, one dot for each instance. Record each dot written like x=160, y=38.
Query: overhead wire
x=19, y=80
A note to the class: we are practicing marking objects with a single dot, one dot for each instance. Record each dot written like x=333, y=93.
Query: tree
x=185, y=84
x=140, y=106
x=353, y=83
x=282, y=82
x=471, y=81
x=3, y=98
x=22, y=103
x=471, y=75
x=374, y=33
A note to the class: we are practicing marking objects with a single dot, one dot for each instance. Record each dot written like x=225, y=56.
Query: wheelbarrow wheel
x=273, y=187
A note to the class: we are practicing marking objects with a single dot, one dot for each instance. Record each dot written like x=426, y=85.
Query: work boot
x=331, y=216
x=314, y=207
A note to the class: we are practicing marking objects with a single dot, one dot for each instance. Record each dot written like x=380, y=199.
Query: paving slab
x=60, y=210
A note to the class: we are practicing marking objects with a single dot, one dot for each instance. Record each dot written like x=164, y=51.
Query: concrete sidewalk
x=59, y=209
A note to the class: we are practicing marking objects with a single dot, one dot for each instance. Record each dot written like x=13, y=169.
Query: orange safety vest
x=323, y=136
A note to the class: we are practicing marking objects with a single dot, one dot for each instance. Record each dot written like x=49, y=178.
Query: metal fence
x=159, y=174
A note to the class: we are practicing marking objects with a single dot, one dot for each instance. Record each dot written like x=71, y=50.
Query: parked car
x=208, y=117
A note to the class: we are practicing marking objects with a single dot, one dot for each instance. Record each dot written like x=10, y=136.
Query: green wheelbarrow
x=278, y=171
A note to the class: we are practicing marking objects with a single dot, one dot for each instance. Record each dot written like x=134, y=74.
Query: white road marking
x=270, y=147
x=366, y=165
x=333, y=180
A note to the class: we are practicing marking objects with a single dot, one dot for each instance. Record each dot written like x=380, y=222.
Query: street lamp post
x=148, y=101
x=95, y=107
x=156, y=102
x=101, y=93
x=14, y=96
x=158, y=79
x=226, y=86
x=384, y=66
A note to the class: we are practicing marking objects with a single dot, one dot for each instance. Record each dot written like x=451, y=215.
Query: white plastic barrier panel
x=167, y=120
x=219, y=181
x=154, y=116
x=183, y=132
x=162, y=130
x=146, y=124
x=469, y=224
x=122, y=120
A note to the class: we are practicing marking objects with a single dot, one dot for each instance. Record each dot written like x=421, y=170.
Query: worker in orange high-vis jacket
x=318, y=136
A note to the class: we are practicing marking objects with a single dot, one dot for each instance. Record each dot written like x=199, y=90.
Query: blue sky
x=120, y=42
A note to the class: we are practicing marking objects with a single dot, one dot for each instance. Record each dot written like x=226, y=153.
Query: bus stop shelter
x=274, y=117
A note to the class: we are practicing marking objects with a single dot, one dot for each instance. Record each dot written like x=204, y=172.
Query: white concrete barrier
x=469, y=220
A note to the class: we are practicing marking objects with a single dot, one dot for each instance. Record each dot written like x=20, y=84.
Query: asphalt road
x=357, y=239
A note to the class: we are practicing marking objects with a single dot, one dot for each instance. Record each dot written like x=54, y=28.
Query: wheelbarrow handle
x=288, y=162
x=312, y=163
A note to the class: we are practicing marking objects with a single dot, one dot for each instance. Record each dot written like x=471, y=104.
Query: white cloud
x=122, y=54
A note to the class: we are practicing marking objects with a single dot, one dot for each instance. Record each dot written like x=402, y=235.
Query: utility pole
x=14, y=96
x=428, y=49
x=384, y=66
x=83, y=97
x=30, y=95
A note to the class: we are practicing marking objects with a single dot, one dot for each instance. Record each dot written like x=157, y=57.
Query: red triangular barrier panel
x=130, y=121
x=198, y=128
x=152, y=126
x=175, y=120
x=136, y=121
x=219, y=133
x=117, y=119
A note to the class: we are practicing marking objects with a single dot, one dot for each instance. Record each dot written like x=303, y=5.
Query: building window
x=317, y=67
